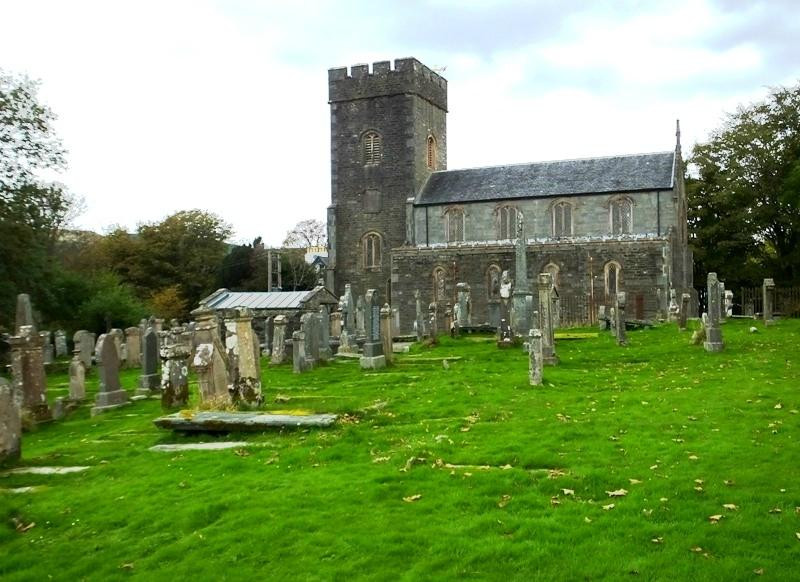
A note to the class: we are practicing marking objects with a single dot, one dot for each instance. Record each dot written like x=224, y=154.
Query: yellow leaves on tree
x=168, y=303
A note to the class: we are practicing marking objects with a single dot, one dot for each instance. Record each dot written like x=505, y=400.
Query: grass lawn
x=444, y=472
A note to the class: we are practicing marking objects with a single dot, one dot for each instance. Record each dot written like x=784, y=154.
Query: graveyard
x=626, y=461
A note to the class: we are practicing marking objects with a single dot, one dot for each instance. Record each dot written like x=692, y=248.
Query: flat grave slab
x=240, y=421
x=172, y=448
x=576, y=335
x=45, y=470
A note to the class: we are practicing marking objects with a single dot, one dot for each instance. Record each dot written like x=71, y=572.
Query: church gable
x=632, y=173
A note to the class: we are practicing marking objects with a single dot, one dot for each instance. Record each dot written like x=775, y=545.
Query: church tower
x=388, y=133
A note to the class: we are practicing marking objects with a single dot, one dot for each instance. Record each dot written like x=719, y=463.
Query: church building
x=399, y=220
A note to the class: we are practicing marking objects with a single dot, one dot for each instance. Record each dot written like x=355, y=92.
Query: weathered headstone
x=324, y=331
x=728, y=303
x=77, y=377
x=386, y=331
x=27, y=373
x=602, y=318
x=372, y=357
x=620, y=300
x=722, y=312
x=247, y=388
x=60, y=342
x=110, y=394
x=279, y=340
x=464, y=295
x=24, y=316
x=506, y=291
x=674, y=310
x=349, y=309
x=117, y=336
x=545, y=284
x=149, y=381
x=683, y=316
x=699, y=335
x=419, y=326
x=520, y=317
x=505, y=337
x=556, y=307
x=713, y=341
x=535, y=357
x=10, y=423
x=336, y=324
x=308, y=325
x=768, y=297
x=433, y=320
x=299, y=360
x=133, y=344
x=360, y=317
x=174, y=373
x=48, y=352
x=83, y=339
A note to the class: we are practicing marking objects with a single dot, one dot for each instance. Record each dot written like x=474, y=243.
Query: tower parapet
x=409, y=76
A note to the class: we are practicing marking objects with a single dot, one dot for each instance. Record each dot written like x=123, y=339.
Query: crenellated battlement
x=409, y=76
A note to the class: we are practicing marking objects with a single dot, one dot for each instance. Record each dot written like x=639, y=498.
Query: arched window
x=621, y=216
x=507, y=222
x=371, y=144
x=431, y=153
x=554, y=271
x=562, y=219
x=439, y=287
x=493, y=282
x=613, y=279
x=454, y=224
x=372, y=250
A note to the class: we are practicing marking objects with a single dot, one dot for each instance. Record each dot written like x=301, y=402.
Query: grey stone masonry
x=60, y=337
x=279, y=355
x=520, y=317
x=324, y=333
x=545, y=283
x=149, y=381
x=768, y=296
x=10, y=423
x=620, y=304
x=419, y=325
x=386, y=332
x=48, y=352
x=602, y=319
x=464, y=305
x=372, y=357
x=210, y=362
x=683, y=316
x=336, y=324
x=77, y=377
x=535, y=357
x=27, y=373
x=84, y=340
x=247, y=388
x=110, y=394
x=308, y=325
x=133, y=345
x=433, y=320
x=349, y=309
x=299, y=361
x=360, y=317
x=174, y=373
x=713, y=341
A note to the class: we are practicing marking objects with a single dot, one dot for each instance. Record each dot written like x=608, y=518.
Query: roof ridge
x=663, y=152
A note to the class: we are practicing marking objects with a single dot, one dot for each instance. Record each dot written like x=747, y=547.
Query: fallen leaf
x=242, y=452
x=20, y=526
x=715, y=518
x=728, y=482
x=797, y=534
x=653, y=467
x=589, y=520
x=731, y=506
x=504, y=501
x=380, y=459
x=555, y=501
x=775, y=510
x=693, y=457
x=617, y=493
x=412, y=498
x=778, y=406
x=568, y=491
x=758, y=571
x=609, y=506
x=699, y=481
x=634, y=481
x=505, y=467
x=128, y=566
x=555, y=473
x=698, y=489
x=658, y=540
x=696, y=549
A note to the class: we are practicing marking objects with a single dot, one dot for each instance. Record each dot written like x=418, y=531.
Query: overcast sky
x=222, y=105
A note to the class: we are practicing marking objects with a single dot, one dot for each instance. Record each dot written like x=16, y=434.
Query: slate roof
x=258, y=299
x=558, y=178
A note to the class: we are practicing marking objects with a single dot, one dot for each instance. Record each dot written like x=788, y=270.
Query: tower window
x=454, y=224
x=372, y=250
x=372, y=147
x=507, y=222
x=621, y=215
x=562, y=219
x=431, y=153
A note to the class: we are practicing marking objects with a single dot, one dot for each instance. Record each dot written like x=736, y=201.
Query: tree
x=744, y=205
x=306, y=233
x=168, y=303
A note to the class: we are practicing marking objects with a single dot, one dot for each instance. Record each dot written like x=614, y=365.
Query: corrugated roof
x=259, y=299
x=557, y=178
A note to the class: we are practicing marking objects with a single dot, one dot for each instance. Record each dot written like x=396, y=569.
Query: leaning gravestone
x=372, y=357
x=10, y=423
x=713, y=341
x=27, y=373
x=536, y=357
x=209, y=362
x=149, y=382
x=77, y=377
x=110, y=394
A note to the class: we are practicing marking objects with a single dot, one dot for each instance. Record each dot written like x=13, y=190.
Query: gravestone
x=674, y=310
x=349, y=309
x=269, y=333
x=117, y=336
x=83, y=339
x=556, y=307
x=27, y=373
x=149, y=381
x=433, y=320
x=372, y=357
x=48, y=352
x=728, y=303
x=506, y=292
x=210, y=362
x=713, y=341
x=684, y=312
x=545, y=284
x=386, y=332
x=722, y=312
x=308, y=325
x=110, y=394
x=620, y=300
x=768, y=297
x=360, y=317
x=324, y=331
x=602, y=319
x=299, y=361
x=464, y=296
x=24, y=315
x=174, y=373
x=699, y=335
x=612, y=318
x=535, y=357
x=247, y=388
x=60, y=342
x=10, y=423
x=279, y=340
x=505, y=337
x=133, y=347
x=419, y=326
x=336, y=323
x=77, y=377
x=520, y=317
